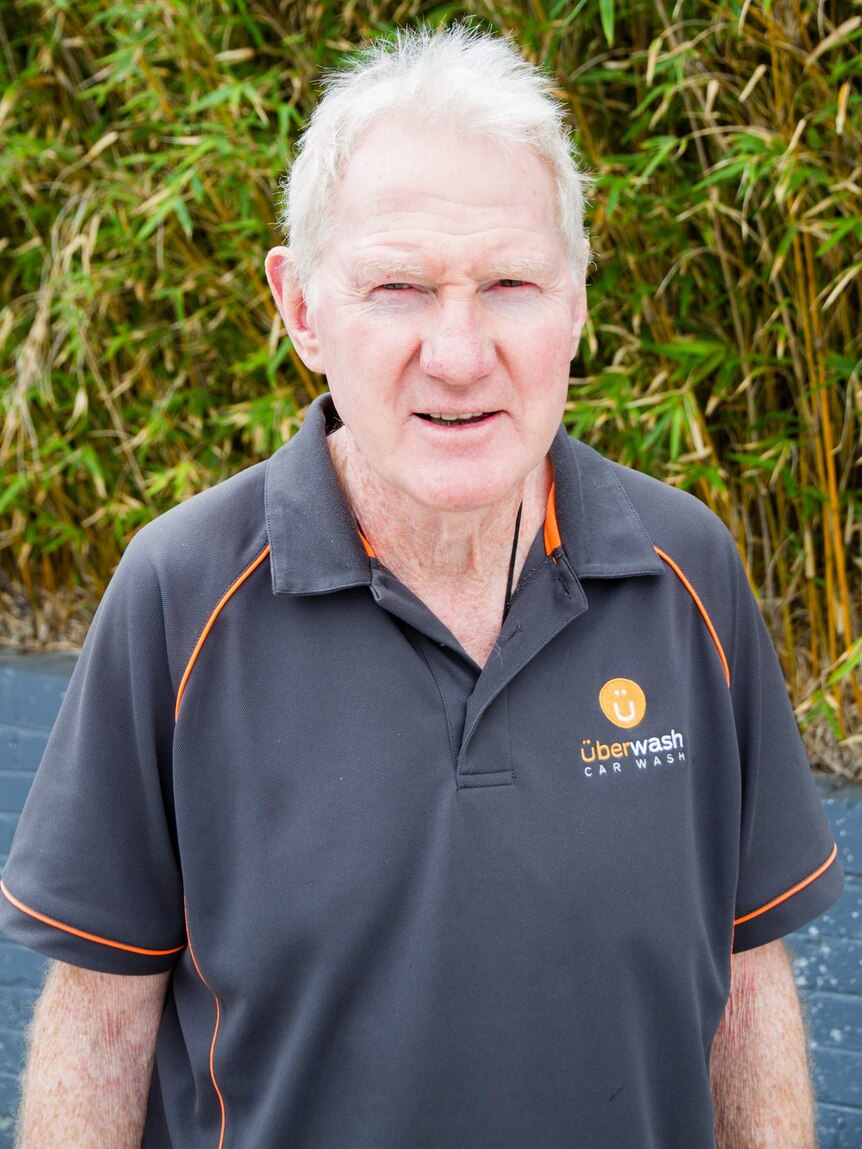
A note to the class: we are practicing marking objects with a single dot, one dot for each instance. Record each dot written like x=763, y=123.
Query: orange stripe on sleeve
x=789, y=894
x=82, y=933
x=232, y=589
x=552, y=532
x=700, y=607
x=215, y=1034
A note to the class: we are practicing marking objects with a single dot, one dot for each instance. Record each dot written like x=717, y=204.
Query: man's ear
x=293, y=308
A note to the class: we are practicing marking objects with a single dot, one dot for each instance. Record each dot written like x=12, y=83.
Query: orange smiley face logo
x=622, y=702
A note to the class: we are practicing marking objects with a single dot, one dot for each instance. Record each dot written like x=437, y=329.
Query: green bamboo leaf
x=606, y=12
x=839, y=229
x=11, y=491
x=685, y=349
x=159, y=214
x=182, y=213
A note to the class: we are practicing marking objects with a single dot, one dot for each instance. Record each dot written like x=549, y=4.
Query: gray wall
x=30, y=691
x=828, y=952
x=829, y=975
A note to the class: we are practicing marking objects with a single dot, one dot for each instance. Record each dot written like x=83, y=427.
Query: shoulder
x=668, y=513
x=177, y=568
x=699, y=550
x=207, y=530
x=679, y=524
x=693, y=544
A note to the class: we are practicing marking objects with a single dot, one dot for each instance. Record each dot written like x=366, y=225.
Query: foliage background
x=143, y=361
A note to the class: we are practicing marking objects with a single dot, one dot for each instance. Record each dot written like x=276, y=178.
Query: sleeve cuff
x=62, y=942
x=791, y=909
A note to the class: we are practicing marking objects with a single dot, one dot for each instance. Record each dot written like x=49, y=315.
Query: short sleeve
x=789, y=872
x=93, y=877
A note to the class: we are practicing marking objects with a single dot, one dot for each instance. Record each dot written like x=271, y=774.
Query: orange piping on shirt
x=552, y=532
x=783, y=897
x=82, y=933
x=215, y=1030
x=700, y=607
x=211, y=620
x=369, y=550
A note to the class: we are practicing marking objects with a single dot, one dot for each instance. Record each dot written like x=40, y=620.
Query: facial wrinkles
x=450, y=265
x=488, y=347
x=369, y=222
x=453, y=330
x=484, y=235
x=454, y=544
x=484, y=273
x=445, y=199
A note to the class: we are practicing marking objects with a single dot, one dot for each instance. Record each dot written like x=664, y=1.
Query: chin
x=459, y=497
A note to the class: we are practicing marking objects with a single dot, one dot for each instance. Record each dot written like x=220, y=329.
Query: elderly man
x=414, y=787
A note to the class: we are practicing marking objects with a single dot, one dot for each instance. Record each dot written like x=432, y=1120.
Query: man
x=414, y=786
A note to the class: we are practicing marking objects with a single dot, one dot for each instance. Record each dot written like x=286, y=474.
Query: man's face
x=444, y=290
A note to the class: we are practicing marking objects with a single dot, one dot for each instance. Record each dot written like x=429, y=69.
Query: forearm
x=92, y=1042
x=761, y=1084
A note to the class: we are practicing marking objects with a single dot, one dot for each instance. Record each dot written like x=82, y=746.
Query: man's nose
x=457, y=347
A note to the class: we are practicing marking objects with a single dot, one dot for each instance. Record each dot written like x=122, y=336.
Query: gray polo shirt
x=409, y=902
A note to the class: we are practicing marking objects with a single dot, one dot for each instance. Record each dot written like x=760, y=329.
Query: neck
x=423, y=546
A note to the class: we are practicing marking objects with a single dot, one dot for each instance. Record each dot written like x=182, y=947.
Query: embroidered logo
x=623, y=702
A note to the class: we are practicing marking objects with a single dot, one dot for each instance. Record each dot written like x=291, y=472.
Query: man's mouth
x=461, y=420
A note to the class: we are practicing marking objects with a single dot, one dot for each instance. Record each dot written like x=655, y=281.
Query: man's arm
x=92, y=1042
x=761, y=1085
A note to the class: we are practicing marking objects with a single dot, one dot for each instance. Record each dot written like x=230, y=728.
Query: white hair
x=472, y=82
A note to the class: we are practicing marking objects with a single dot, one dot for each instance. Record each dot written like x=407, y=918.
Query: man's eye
x=512, y=282
x=395, y=286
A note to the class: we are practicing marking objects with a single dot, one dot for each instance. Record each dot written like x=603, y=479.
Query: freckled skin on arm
x=92, y=1043
x=761, y=1084
x=93, y=1040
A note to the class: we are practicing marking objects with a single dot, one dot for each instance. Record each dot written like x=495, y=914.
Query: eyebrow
x=529, y=268
x=387, y=271
x=396, y=270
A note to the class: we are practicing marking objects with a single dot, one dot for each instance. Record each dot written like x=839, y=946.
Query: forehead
x=432, y=193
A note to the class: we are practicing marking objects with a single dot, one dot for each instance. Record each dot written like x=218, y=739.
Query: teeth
x=455, y=418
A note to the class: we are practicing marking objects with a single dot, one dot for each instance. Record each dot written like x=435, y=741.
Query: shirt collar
x=601, y=532
x=316, y=548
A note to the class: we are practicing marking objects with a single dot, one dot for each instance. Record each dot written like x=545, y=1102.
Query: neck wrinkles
x=422, y=545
